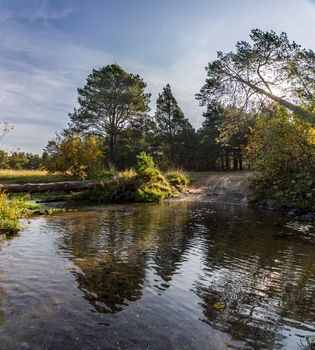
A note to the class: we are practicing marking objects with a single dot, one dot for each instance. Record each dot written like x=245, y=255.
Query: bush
x=177, y=179
x=12, y=210
x=145, y=167
x=145, y=184
x=74, y=156
x=281, y=150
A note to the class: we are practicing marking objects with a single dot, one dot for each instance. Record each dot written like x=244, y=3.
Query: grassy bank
x=17, y=207
x=9, y=176
x=11, y=211
x=144, y=184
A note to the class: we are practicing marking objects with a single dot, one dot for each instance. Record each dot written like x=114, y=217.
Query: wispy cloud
x=34, y=10
x=41, y=67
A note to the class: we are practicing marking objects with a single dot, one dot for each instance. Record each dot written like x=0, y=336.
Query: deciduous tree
x=75, y=156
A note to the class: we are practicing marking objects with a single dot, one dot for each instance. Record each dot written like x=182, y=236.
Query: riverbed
x=158, y=276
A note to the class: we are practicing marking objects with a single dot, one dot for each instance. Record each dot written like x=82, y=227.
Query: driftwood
x=66, y=186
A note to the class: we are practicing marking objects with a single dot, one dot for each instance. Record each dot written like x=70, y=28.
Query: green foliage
x=153, y=185
x=145, y=184
x=137, y=137
x=110, y=102
x=4, y=160
x=12, y=210
x=145, y=168
x=177, y=179
x=268, y=68
x=173, y=130
x=155, y=191
x=281, y=150
x=209, y=150
x=19, y=161
x=74, y=156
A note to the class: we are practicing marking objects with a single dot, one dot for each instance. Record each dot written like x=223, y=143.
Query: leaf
x=218, y=306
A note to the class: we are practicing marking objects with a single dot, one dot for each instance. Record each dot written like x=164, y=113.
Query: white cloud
x=41, y=86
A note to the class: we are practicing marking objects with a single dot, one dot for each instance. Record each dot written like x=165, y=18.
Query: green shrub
x=74, y=156
x=144, y=184
x=145, y=168
x=177, y=179
x=12, y=210
x=281, y=150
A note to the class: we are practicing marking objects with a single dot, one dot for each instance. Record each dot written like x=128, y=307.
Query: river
x=170, y=276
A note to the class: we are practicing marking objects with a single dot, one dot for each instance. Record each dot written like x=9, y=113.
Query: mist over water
x=170, y=276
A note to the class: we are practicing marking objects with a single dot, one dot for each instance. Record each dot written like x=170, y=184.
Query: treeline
x=20, y=160
x=259, y=113
x=259, y=106
x=113, y=119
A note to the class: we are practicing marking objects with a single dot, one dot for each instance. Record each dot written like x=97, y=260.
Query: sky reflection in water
x=172, y=276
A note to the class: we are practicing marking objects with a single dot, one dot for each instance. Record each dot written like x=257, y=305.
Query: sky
x=48, y=48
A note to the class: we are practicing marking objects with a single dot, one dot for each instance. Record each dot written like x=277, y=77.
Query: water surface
x=171, y=276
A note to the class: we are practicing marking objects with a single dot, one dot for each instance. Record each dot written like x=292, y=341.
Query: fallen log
x=65, y=186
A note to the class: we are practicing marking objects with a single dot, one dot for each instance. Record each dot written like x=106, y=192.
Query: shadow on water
x=172, y=276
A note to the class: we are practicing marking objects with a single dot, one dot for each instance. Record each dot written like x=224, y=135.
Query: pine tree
x=109, y=102
x=171, y=122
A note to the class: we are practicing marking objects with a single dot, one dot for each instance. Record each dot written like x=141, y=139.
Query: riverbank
x=216, y=187
x=232, y=188
x=13, y=209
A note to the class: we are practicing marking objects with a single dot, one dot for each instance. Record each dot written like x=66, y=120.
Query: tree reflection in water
x=266, y=286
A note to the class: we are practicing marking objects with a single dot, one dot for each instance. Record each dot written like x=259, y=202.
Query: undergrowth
x=12, y=210
x=16, y=207
x=144, y=184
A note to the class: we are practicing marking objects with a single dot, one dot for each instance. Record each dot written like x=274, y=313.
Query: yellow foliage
x=76, y=156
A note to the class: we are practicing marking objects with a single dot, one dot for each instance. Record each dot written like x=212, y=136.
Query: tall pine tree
x=171, y=124
x=110, y=102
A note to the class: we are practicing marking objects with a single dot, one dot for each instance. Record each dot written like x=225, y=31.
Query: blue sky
x=48, y=47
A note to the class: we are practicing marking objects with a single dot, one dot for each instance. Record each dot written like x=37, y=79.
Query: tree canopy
x=111, y=100
x=269, y=68
x=74, y=155
x=170, y=120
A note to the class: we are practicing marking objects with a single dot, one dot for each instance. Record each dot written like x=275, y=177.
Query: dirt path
x=224, y=188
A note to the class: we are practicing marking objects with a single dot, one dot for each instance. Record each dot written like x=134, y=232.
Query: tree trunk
x=65, y=186
x=222, y=161
x=227, y=162
x=235, y=161
x=171, y=154
x=240, y=159
x=111, y=151
x=308, y=116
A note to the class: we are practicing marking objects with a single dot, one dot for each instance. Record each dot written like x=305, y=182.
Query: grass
x=178, y=179
x=28, y=176
x=143, y=184
x=128, y=187
x=17, y=207
x=12, y=210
